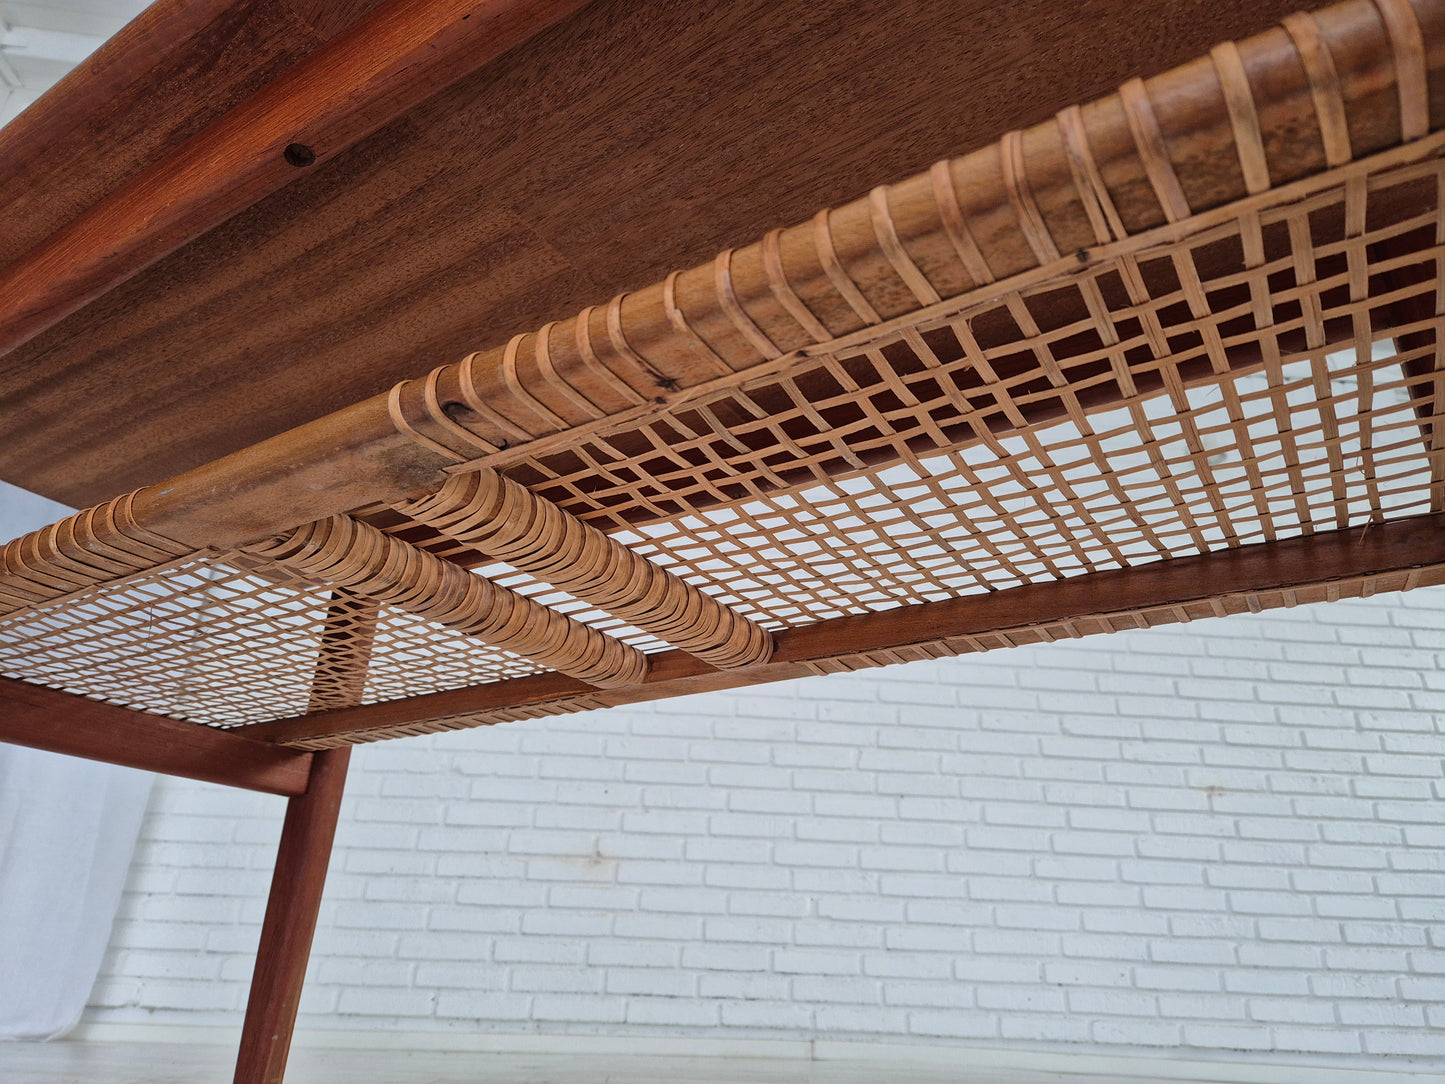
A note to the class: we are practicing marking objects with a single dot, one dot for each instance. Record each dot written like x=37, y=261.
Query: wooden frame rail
x=61, y=722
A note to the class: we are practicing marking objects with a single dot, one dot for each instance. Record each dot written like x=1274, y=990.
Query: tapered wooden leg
x=301, y=861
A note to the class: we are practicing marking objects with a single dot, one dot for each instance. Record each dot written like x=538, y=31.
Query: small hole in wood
x=456, y=411
x=299, y=154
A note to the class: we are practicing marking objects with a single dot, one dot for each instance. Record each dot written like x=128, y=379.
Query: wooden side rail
x=61, y=722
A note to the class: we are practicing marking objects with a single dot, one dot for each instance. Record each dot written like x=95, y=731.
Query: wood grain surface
x=381, y=66
x=627, y=141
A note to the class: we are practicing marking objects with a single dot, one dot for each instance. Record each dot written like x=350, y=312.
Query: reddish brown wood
x=166, y=75
x=1238, y=580
x=296, y=886
x=61, y=722
x=1293, y=563
x=383, y=65
x=330, y=17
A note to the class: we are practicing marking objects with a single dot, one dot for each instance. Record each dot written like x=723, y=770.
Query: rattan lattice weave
x=916, y=399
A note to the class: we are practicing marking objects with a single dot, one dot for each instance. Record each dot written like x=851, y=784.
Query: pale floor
x=168, y=1063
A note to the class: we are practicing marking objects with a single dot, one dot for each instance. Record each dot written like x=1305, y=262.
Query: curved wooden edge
x=377, y=69
x=1393, y=556
x=157, y=31
x=60, y=722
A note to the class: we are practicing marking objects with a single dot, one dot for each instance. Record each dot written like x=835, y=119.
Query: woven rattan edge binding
x=833, y=268
x=881, y=217
x=594, y=364
x=728, y=299
x=678, y=320
x=92, y=546
x=440, y=417
x=476, y=402
x=951, y=310
x=955, y=225
x=497, y=517
x=1411, y=78
x=548, y=369
x=1243, y=117
x=514, y=382
x=1016, y=184
x=618, y=338
x=1324, y=82
x=778, y=283
x=1153, y=152
x=1088, y=183
x=343, y=552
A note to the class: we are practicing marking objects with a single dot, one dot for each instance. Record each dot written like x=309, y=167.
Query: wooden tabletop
x=630, y=139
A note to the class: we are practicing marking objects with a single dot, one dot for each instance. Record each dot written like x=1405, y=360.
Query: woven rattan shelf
x=1168, y=355
x=1193, y=319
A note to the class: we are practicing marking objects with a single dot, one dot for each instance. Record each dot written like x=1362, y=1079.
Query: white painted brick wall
x=1220, y=837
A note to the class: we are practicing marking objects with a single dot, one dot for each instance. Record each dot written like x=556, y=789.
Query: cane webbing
x=98, y=544
x=912, y=401
x=223, y=639
x=1229, y=418
x=1288, y=277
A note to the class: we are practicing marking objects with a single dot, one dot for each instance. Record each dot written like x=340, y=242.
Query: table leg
x=296, y=884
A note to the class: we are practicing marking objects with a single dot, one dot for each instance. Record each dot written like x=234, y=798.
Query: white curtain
x=68, y=829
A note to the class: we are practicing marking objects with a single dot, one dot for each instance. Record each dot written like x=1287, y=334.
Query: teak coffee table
x=1168, y=355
